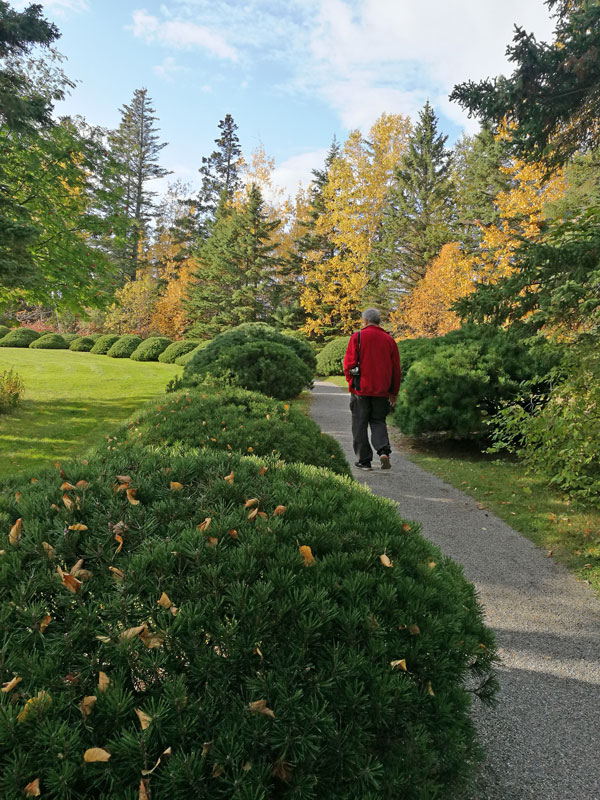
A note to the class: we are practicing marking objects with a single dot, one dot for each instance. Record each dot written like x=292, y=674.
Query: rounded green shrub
x=183, y=360
x=104, y=343
x=49, y=341
x=151, y=348
x=177, y=349
x=4, y=329
x=260, y=366
x=463, y=378
x=318, y=648
x=124, y=346
x=70, y=337
x=238, y=421
x=19, y=337
x=83, y=344
x=330, y=360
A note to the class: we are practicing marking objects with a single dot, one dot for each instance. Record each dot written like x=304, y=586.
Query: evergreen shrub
x=217, y=627
x=177, y=349
x=11, y=390
x=238, y=421
x=49, y=341
x=330, y=360
x=261, y=366
x=150, y=349
x=461, y=380
x=124, y=346
x=70, y=337
x=83, y=344
x=19, y=337
x=4, y=329
x=183, y=360
x=104, y=343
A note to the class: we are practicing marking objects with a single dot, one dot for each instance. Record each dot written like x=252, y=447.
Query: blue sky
x=292, y=73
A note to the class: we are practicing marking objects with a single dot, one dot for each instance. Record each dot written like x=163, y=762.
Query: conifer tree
x=235, y=279
x=137, y=147
x=420, y=214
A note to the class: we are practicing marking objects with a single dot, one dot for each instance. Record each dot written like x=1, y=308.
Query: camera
x=355, y=371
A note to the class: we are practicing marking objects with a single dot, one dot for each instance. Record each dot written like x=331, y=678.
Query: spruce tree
x=479, y=178
x=420, y=215
x=235, y=281
x=137, y=147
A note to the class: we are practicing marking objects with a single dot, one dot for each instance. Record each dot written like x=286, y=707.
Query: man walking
x=373, y=354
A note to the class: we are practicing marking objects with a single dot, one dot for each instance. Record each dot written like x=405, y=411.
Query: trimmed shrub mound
x=83, y=344
x=49, y=341
x=4, y=329
x=241, y=422
x=183, y=360
x=150, y=349
x=330, y=360
x=261, y=366
x=124, y=346
x=459, y=381
x=104, y=343
x=19, y=337
x=177, y=349
x=70, y=337
x=234, y=628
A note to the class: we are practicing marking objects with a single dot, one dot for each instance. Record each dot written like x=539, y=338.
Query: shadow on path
x=542, y=739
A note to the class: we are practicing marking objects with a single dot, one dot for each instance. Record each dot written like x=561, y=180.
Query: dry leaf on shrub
x=94, y=754
x=15, y=532
x=260, y=707
x=32, y=789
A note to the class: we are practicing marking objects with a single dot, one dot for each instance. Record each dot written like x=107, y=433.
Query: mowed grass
x=71, y=402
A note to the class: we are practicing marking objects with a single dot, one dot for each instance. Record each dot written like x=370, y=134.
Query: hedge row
x=193, y=622
x=114, y=345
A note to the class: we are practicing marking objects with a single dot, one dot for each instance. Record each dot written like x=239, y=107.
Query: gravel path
x=543, y=738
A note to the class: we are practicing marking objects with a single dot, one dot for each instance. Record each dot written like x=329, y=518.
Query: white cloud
x=181, y=35
x=370, y=56
x=297, y=170
x=169, y=68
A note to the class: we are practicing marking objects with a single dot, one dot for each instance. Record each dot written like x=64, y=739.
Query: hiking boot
x=366, y=465
x=385, y=461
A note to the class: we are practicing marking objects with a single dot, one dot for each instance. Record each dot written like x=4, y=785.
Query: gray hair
x=371, y=315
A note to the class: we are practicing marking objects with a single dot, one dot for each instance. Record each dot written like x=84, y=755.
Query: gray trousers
x=369, y=411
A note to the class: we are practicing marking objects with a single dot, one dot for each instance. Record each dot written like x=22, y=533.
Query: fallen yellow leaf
x=307, y=555
x=103, y=681
x=260, y=707
x=32, y=789
x=233, y=533
x=66, y=486
x=229, y=478
x=145, y=719
x=131, y=497
x=165, y=754
x=68, y=502
x=42, y=702
x=15, y=532
x=279, y=510
x=18, y=496
x=430, y=689
x=87, y=704
x=10, y=685
x=123, y=478
x=131, y=632
x=119, y=539
x=151, y=640
x=204, y=526
x=251, y=503
x=164, y=601
x=176, y=486
x=81, y=484
x=385, y=560
x=143, y=792
x=78, y=527
x=48, y=549
x=406, y=526
x=45, y=622
x=399, y=664
x=69, y=581
x=262, y=470
x=94, y=754
x=76, y=568
x=253, y=513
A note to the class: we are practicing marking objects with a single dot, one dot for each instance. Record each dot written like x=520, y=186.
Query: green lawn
x=72, y=400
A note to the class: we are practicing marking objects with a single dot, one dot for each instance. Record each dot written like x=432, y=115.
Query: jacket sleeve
x=396, y=369
x=350, y=358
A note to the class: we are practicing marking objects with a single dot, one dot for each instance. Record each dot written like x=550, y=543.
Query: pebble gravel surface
x=543, y=738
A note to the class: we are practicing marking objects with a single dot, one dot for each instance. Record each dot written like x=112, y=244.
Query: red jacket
x=380, y=371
